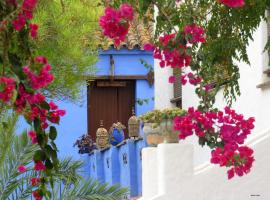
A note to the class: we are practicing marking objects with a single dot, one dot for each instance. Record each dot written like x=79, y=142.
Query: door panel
x=126, y=101
x=110, y=104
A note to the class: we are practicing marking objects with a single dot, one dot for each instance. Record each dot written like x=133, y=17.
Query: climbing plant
x=205, y=39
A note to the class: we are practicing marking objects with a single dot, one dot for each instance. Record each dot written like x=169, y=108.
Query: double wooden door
x=110, y=102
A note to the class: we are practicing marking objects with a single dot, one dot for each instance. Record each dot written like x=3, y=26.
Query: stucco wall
x=164, y=90
x=176, y=179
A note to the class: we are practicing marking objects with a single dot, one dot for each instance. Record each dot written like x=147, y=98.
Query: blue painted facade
x=74, y=123
x=119, y=165
x=127, y=62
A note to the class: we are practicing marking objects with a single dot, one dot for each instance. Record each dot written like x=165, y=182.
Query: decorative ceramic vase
x=168, y=132
x=117, y=136
x=152, y=134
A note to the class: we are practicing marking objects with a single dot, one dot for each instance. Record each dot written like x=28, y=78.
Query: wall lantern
x=102, y=135
x=133, y=126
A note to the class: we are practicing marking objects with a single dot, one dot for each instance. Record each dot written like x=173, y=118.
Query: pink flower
x=34, y=181
x=115, y=23
x=9, y=86
x=36, y=195
x=19, y=22
x=126, y=11
x=53, y=106
x=33, y=136
x=171, y=79
x=149, y=47
x=233, y=3
x=39, y=166
x=230, y=173
x=183, y=80
x=41, y=60
x=21, y=168
x=196, y=32
x=33, y=30
x=42, y=79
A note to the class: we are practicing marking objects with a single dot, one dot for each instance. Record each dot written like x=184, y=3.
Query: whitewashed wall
x=163, y=90
x=172, y=176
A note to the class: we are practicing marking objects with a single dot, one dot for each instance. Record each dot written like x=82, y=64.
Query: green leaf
x=39, y=156
x=53, y=133
x=45, y=105
x=48, y=164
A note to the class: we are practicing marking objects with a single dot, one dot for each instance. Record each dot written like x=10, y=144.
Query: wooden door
x=110, y=102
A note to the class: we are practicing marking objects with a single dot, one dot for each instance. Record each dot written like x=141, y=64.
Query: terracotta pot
x=168, y=132
x=152, y=134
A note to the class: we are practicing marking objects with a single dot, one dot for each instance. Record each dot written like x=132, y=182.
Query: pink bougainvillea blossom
x=39, y=166
x=6, y=93
x=53, y=106
x=21, y=168
x=126, y=11
x=42, y=79
x=172, y=79
x=36, y=195
x=26, y=13
x=195, y=32
x=34, y=181
x=33, y=136
x=115, y=23
x=229, y=127
x=233, y=3
x=149, y=47
x=33, y=30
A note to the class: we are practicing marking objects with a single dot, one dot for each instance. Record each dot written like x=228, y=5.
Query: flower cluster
x=34, y=107
x=33, y=30
x=225, y=131
x=39, y=166
x=8, y=87
x=42, y=79
x=37, y=195
x=171, y=53
x=26, y=13
x=33, y=136
x=34, y=181
x=233, y=3
x=191, y=78
x=116, y=22
x=173, y=50
x=194, y=33
x=240, y=159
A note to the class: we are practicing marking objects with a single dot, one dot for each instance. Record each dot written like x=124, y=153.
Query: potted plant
x=170, y=135
x=151, y=129
x=85, y=144
x=158, y=126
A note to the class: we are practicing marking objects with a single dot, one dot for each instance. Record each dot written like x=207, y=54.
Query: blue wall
x=127, y=62
x=74, y=124
x=119, y=165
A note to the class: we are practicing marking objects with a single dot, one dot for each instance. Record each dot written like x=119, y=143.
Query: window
x=177, y=88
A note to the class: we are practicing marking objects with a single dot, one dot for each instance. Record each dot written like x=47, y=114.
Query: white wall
x=163, y=89
x=175, y=178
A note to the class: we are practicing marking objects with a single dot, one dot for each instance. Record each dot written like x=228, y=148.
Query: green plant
x=65, y=183
x=156, y=116
x=67, y=37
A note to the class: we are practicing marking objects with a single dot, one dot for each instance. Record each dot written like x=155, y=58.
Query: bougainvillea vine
x=22, y=80
x=223, y=131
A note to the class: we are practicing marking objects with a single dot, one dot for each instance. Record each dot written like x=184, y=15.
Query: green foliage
x=156, y=116
x=66, y=37
x=228, y=33
x=65, y=182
